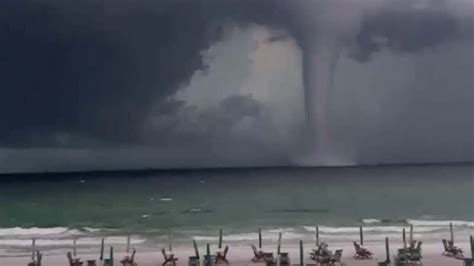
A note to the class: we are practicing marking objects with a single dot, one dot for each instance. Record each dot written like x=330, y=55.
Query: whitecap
x=375, y=229
x=35, y=231
x=371, y=221
x=166, y=199
x=440, y=223
x=117, y=240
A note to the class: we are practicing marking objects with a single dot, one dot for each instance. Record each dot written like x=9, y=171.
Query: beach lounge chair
x=169, y=258
x=470, y=261
x=336, y=258
x=414, y=255
x=361, y=253
x=268, y=258
x=73, y=261
x=447, y=251
x=418, y=246
x=401, y=255
x=457, y=252
x=324, y=256
x=314, y=253
x=221, y=256
x=129, y=260
x=194, y=260
x=321, y=255
x=284, y=259
x=258, y=255
x=110, y=260
x=36, y=261
x=209, y=260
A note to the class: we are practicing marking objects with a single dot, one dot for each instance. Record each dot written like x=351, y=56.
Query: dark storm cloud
x=235, y=119
x=95, y=69
x=90, y=73
x=403, y=27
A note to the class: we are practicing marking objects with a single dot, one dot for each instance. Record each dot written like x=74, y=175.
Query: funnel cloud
x=210, y=83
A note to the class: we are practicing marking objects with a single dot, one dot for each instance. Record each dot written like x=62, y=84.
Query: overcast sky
x=116, y=84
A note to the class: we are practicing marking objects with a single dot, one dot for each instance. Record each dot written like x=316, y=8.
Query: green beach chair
x=269, y=259
x=402, y=257
x=470, y=261
x=209, y=260
x=110, y=260
x=194, y=260
x=284, y=259
x=415, y=253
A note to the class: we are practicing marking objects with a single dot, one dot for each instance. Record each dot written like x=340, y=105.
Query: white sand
x=241, y=255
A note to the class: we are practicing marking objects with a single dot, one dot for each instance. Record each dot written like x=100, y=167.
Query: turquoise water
x=194, y=203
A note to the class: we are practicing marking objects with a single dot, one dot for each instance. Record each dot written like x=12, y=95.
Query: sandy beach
x=183, y=207
x=241, y=255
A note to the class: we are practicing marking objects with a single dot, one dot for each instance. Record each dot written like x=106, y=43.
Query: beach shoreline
x=242, y=254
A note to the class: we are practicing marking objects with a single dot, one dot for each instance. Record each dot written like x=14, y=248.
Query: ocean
x=177, y=206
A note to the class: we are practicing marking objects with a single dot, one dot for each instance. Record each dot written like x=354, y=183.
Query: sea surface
x=177, y=206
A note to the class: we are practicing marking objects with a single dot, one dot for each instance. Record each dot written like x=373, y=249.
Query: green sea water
x=197, y=202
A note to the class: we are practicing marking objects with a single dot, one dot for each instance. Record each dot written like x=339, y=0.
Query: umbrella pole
x=301, y=253
x=279, y=244
x=451, y=232
x=317, y=236
x=404, y=238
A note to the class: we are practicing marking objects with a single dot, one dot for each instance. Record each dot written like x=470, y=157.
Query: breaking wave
x=374, y=229
x=440, y=223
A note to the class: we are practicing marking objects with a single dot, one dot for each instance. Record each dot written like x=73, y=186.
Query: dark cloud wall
x=403, y=27
x=95, y=70
x=92, y=69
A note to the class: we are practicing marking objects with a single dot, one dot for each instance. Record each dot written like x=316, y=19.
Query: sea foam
x=271, y=234
x=440, y=223
x=48, y=232
x=35, y=231
x=87, y=241
x=371, y=221
x=374, y=229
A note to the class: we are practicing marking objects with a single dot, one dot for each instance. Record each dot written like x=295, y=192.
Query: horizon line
x=203, y=169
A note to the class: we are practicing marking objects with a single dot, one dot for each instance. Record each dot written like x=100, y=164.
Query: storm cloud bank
x=105, y=74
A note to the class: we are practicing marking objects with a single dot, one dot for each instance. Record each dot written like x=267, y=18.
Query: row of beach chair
x=321, y=255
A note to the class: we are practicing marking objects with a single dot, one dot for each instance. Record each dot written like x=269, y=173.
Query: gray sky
x=225, y=83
